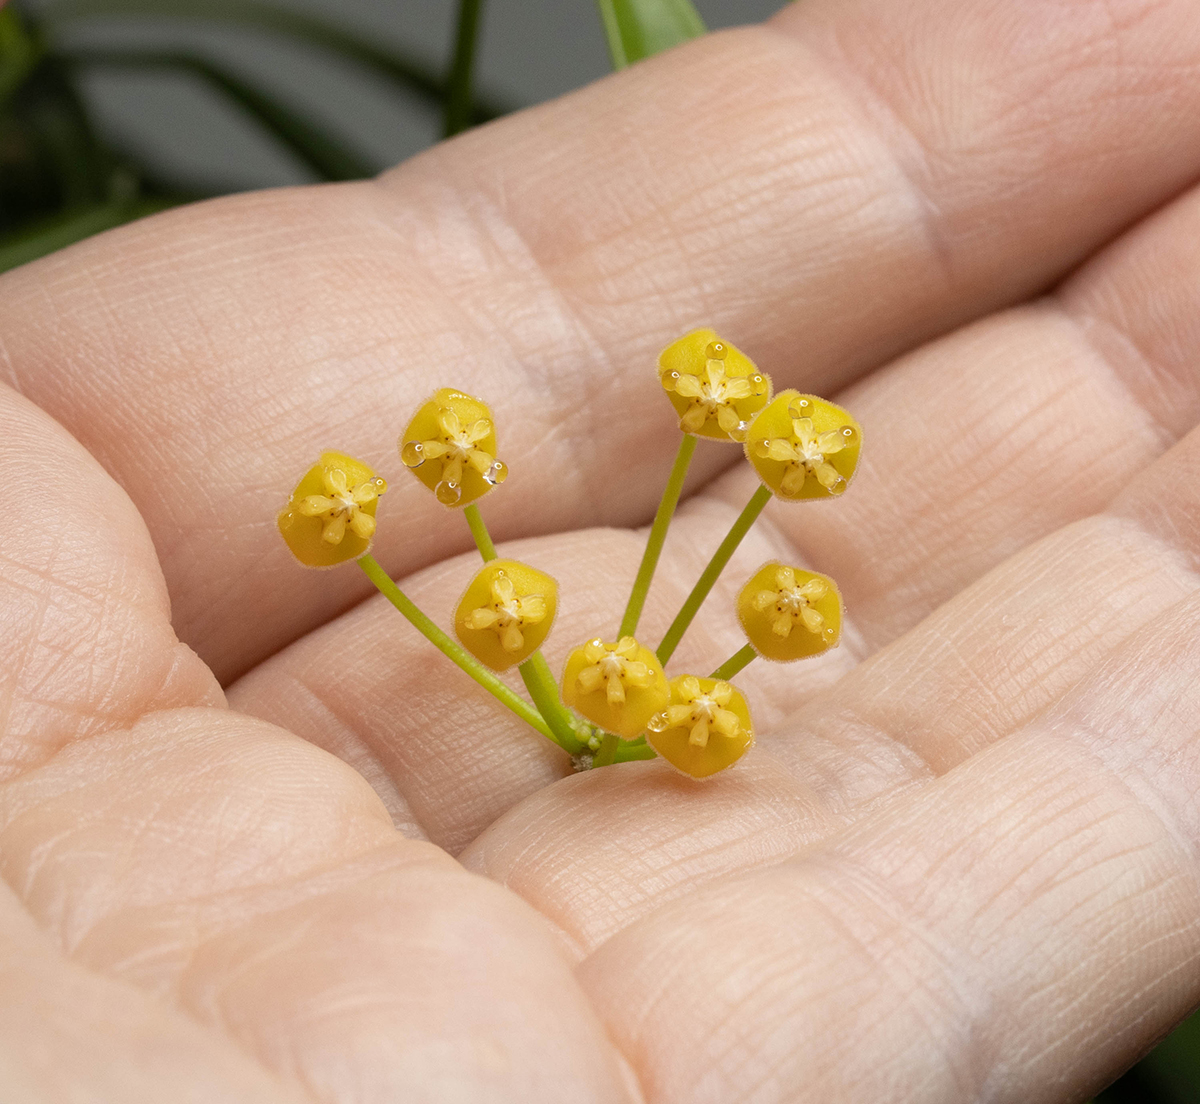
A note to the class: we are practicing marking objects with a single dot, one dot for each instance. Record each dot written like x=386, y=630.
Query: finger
x=978, y=445
x=1020, y=929
x=243, y=878
x=1000, y=433
x=542, y=257
x=68, y=1034
x=978, y=669
x=369, y=689
x=87, y=642
x=254, y=883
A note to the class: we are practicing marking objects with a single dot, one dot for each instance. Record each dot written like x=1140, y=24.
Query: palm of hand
x=962, y=856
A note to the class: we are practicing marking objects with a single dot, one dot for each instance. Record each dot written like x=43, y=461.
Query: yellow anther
x=506, y=613
x=331, y=515
x=715, y=388
x=804, y=447
x=450, y=446
x=705, y=729
x=789, y=613
x=618, y=686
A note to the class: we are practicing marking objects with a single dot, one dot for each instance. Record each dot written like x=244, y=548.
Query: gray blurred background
x=531, y=50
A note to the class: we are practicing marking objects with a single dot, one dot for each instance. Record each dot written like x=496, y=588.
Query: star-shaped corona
x=618, y=686
x=450, y=446
x=506, y=613
x=788, y=613
x=715, y=388
x=705, y=729
x=803, y=446
x=330, y=517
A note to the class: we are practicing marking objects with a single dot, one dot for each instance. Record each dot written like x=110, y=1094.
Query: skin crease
x=961, y=863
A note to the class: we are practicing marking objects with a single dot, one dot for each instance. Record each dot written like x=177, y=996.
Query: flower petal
x=335, y=529
x=481, y=618
x=793, y=480
x=362, y=525
x=532, y=609
x=590, y=679
x=314, y=505
x=511, y=639
x=726, y=722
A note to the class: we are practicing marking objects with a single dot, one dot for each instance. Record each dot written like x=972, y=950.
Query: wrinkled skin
x=259, y=843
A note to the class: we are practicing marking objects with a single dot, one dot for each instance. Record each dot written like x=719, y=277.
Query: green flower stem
x=712, y=572
x=535, y=670
x=608, y=750
x=458, y=87
x=658, y=534
x=736, y=662
x=483, y=538
x=452, y=650
x=629, y=750
x=544, y=691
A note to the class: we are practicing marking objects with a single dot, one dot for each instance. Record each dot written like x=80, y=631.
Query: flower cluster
x=614, y=701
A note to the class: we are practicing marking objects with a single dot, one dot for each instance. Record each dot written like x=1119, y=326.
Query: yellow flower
x=617, y=686
x=506, y=613
x=788, y=613
x=715, y=388
x=331, y=515
x=705, y=729
x=450, y=446
x=804, y=447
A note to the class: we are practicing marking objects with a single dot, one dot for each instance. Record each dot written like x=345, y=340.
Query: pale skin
x=276, y=849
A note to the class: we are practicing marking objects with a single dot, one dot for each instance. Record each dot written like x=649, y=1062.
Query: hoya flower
x=788, y=613
x=804, y=447
x=715, y=388
x=617, y=686
x=450, y=446
x=506, y=613
x=331, y=515
x=705, y=729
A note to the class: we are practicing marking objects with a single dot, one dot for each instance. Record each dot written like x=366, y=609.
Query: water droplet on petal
x=380, y=484
x=657, y=723
x=669, y=380
x=412, y=454
x=759, y=382
x=830, y=631
x=800, y=408
x=716, y=350
x=850, y=434
x=497, y=473
x=448, y=492
x=838, y=487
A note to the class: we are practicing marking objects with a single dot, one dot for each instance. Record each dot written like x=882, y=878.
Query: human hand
x=961, y=862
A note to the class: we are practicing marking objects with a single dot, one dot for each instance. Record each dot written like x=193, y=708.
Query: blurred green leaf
x=65, y=230
x=325, y=155
x=19, y=54
x=406, y=71
x=636, y=29
x=458, y=86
